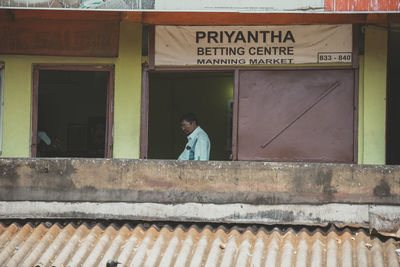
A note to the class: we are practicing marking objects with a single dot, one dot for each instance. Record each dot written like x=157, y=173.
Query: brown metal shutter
x=296, y=115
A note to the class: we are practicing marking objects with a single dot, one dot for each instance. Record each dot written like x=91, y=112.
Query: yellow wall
x=18, y=88
x=128, y=80
x=372, y=98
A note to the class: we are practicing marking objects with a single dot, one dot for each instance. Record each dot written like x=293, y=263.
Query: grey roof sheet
x=48, y=244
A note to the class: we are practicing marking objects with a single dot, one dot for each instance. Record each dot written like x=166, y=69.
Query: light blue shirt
x=197, y=147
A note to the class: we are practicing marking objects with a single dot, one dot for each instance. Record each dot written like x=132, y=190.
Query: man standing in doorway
x=198, y=145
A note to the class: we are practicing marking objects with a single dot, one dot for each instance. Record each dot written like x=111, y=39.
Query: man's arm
x=202, y=150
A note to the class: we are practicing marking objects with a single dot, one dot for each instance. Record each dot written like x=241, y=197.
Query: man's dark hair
x=189, y=117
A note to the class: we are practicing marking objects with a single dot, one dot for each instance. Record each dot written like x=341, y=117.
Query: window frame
x=109, y=142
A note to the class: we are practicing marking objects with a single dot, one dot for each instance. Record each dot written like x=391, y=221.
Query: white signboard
x=240, y=5
x=252, y=45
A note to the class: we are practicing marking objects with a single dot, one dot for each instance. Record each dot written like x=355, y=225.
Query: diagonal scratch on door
x=327, y=92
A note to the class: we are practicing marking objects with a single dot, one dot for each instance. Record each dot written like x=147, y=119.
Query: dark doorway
x=393, y=100
x=172, y=94
x=71, y=116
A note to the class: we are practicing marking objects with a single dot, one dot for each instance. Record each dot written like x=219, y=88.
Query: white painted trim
x=237, y=213
x=380, y=217
x=239, y=5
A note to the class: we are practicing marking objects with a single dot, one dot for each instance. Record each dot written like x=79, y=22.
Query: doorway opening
x=72, y=112
x=209, y=95
x=393, y=100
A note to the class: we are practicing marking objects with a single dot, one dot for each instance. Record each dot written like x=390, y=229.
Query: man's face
x=188, y=127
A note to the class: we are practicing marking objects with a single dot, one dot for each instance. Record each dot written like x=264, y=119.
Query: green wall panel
x=372, y=115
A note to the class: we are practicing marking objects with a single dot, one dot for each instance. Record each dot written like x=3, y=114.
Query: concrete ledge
x=227, y=213
x=142, y=181
x=338, y=214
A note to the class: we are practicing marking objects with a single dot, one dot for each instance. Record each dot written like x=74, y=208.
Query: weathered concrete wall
x=148, y=181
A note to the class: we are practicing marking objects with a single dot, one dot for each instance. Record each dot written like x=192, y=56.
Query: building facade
x=104, y=84
x=294, y=85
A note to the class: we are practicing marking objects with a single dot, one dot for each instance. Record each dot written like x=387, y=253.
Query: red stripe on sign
x=362, y=5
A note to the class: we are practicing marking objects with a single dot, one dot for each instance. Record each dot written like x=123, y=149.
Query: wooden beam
x=201, y=18
x=377, y=19
x=233, y=18
x=60, y=37
x=132, y=16
x=51, y=14
x=393, y=18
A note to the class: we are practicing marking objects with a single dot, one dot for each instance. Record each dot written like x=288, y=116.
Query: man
x=198, y=145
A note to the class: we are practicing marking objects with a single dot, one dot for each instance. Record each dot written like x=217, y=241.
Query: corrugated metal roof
x=54, y=245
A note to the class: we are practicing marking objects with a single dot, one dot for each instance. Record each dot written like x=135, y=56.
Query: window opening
x=72, y=109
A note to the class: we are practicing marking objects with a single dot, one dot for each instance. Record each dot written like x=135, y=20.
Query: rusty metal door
x=296, y=115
